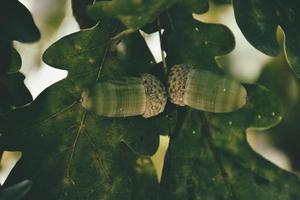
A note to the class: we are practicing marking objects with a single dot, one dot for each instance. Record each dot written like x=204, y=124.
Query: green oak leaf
x=187, y=40
x=15, y=61
x=79, y=11
x=166, y=18
x=221, y=2
x=16, y=22
x=146, y=186
x=209, y=157
x=70, y=153
x=13, y=92
x=132, y=13
x=17, y=191
x=193, y=6
x=73, y=154
x=286, y=135
x=258, y=20
x=10, y=58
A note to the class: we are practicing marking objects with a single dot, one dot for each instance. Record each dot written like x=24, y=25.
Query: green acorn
x=128, y=96
x=204, y=90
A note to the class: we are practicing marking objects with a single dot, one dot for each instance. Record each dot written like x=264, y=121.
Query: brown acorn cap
x=177, y=80
x=156, y=96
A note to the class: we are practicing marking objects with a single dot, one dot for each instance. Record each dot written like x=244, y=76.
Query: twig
x=122, y=34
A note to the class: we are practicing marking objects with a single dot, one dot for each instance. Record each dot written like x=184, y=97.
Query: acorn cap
x=177, y=80
x=156, y=96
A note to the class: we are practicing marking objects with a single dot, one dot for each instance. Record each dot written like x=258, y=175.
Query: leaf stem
x=122, y=34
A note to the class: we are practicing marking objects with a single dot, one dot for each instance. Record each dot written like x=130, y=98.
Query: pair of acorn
x=146, y=96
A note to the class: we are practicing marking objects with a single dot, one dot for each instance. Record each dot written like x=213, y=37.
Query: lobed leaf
x=132, y=13
x=17, y=22
x=13, y=92
x=82, y=155
x=187, y=40
x=79, y=11
x=209, y=157
x=258, y=20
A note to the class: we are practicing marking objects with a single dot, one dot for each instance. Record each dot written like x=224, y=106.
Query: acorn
x=129, y=96
x=204, y=90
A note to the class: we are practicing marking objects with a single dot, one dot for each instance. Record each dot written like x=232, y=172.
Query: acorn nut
x=128, y=96
x=204, y=90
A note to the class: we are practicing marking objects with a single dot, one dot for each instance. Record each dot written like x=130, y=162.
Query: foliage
x=21, y=27
x=71, y=153
x=287, y=87
x=16, y=192
x=258, y=21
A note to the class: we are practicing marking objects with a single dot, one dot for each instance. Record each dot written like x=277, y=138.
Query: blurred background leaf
x=280, y=79
x=259, y=20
